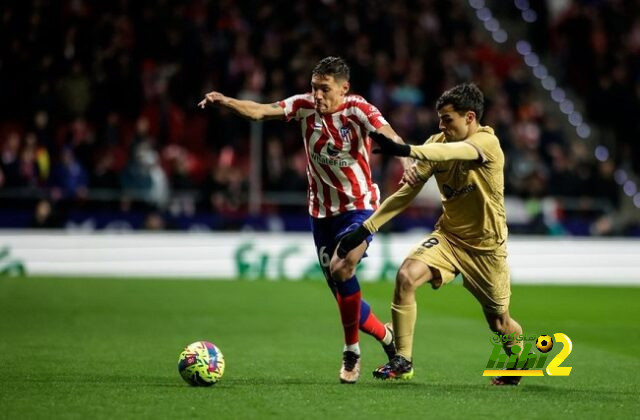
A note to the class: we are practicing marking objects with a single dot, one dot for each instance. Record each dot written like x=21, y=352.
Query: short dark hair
x=332, y=66
x=463, y=98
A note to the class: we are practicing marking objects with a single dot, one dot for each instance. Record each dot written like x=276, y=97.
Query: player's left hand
x=410, y=176
x=388, y=146
x=351, y=240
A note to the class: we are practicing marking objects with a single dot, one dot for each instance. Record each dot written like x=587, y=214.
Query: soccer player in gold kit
x=470, y=236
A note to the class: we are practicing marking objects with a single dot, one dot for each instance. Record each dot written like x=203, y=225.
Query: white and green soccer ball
x=201, y=364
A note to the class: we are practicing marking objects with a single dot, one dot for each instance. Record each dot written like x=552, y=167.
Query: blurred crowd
x=98, y=98
x=593, y=47
x=598, y=45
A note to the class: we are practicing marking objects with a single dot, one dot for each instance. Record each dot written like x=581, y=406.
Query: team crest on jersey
x=345, y=132
x=317, y=126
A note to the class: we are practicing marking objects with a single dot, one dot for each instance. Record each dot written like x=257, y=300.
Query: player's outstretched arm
x=392, y=206
x=249, y=109
x=432, y=151
x=439, y=152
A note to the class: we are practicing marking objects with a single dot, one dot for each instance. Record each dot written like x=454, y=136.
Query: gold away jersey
x=472, y=192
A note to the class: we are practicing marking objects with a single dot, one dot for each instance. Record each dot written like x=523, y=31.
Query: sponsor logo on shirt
x=452, y=192
x=332, y=151
x=329, y=160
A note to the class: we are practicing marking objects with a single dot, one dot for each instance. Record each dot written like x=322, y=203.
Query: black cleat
x=509, y=380
x=506, y=380
x=397, y=368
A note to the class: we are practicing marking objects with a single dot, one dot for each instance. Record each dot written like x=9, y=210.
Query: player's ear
x=471, y=116
x=344, y=88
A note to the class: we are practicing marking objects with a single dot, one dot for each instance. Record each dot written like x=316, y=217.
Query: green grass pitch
x=108, y=348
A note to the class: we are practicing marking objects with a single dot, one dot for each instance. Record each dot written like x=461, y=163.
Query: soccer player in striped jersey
x=335, y=127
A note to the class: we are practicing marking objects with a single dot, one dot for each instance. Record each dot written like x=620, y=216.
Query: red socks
x=350, y=314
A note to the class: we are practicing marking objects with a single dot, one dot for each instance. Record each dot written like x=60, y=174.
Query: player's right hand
x=212, y=97
x=351, y=240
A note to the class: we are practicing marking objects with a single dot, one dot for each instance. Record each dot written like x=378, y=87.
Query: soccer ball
x=544, y=343
x=201, y=364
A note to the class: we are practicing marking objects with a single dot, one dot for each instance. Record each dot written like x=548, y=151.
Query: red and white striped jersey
x=338, y=148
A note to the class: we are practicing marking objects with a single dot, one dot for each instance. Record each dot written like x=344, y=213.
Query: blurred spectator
x=154, y=221
x=10, y=160
x=69, y=178
x=44, y=216
x=74, y=90
x=104, y=174
x=296, y=172
x=604, y=185
x=225, y=189
x=42, y=130
x=618, y=222
x=275, y=166
x=144, y=178
x=181, y=177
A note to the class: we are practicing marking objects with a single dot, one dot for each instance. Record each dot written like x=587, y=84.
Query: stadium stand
x=99, y=128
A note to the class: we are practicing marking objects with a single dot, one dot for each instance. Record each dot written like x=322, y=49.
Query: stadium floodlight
x=558, y=94
x=484, y=14
x=500, y=36
x=549, y=83
x=532, y=59
x=601, y=153
x=540, y=71
x=529, y=15
x=476, y=4
x=630, y=188
x=567, y=106
x=583, y=131
x=523, y=47
x=575, y=118
x=620, y=175
x=492, y=24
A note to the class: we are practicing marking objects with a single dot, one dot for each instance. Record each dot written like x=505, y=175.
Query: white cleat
x=350, y=370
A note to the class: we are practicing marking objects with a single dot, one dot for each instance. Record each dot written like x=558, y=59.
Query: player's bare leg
x=503, y=324
x=342, y=269
x=411, y=275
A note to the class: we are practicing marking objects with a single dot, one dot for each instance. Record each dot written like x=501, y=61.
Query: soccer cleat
x=390, y=349
x=350, y=370
x=506, y=380
x=397, y=368
x=509, y=380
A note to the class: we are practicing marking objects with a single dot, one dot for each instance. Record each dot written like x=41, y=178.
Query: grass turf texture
x=108, y=348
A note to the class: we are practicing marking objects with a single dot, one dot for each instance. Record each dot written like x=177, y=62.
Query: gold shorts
x=485, y=275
